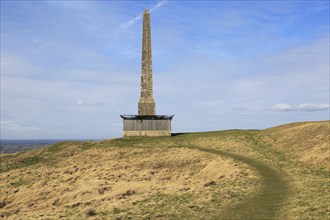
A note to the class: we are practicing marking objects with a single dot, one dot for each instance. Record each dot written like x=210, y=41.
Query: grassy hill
x=309, y=142
x=277, y=173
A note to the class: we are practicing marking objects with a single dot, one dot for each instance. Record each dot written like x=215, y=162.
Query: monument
x=146, y=123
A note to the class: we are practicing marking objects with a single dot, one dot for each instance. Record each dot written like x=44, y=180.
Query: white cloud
x=77, y=5
x=159, y=4
x=139, y=17
x=13, y=126
x=132, y=21
x=306, y=107
x=75, y=63
x=219, y=114
x=282, y=107
x=80, y=102
x=313, y=107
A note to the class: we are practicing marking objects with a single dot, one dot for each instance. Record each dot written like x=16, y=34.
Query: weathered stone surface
x=146, y=123
x=146, y=103
x=146, y=107
x=146, y=133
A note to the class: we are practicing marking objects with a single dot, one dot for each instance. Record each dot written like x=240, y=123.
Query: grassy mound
x=207, y=175
x=308, y=141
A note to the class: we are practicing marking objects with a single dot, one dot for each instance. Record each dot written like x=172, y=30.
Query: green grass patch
x=20, y=182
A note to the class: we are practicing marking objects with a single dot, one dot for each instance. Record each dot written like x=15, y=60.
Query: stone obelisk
x=146, y=123
x=146, y=102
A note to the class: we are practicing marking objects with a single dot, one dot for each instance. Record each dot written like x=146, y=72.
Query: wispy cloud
x=159, y=4
x=80, y=102
x=132, y=21
x=79, y=62
x=139, y=17
x=78, y=5
x=117, y=124
x=306, y=107
x=13, y=126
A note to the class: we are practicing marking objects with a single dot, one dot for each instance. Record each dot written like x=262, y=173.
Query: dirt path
x=269, y=198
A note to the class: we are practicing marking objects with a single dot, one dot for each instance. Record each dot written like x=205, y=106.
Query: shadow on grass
x=178, y=134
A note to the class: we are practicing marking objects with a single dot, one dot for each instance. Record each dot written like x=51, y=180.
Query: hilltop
x=276, y=173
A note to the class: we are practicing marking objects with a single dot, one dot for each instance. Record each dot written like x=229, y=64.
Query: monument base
x=146, y=133
x=146, y=125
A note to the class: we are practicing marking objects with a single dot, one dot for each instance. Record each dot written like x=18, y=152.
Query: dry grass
x=309, y=142
x=171, y=178
x=122, y=183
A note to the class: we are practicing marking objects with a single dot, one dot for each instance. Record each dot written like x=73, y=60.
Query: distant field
x=277, y=173
x=13, y=146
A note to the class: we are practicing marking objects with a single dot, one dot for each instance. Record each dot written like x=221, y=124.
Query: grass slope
x=308, y=142
x=236, y=174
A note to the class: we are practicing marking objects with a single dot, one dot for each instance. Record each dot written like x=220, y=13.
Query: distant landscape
x=14, y=146
x=276, y=173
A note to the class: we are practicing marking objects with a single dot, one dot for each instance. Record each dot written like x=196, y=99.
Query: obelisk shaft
x=146, y=103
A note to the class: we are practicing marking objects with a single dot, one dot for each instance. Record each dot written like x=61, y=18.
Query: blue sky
x=70, y=68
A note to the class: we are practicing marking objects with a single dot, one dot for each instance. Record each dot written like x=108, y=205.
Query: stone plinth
x=146, y=125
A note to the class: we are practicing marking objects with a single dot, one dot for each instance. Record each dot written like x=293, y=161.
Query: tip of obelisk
x=146, y=11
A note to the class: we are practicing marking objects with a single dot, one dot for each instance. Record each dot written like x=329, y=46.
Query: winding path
x=267, y=201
